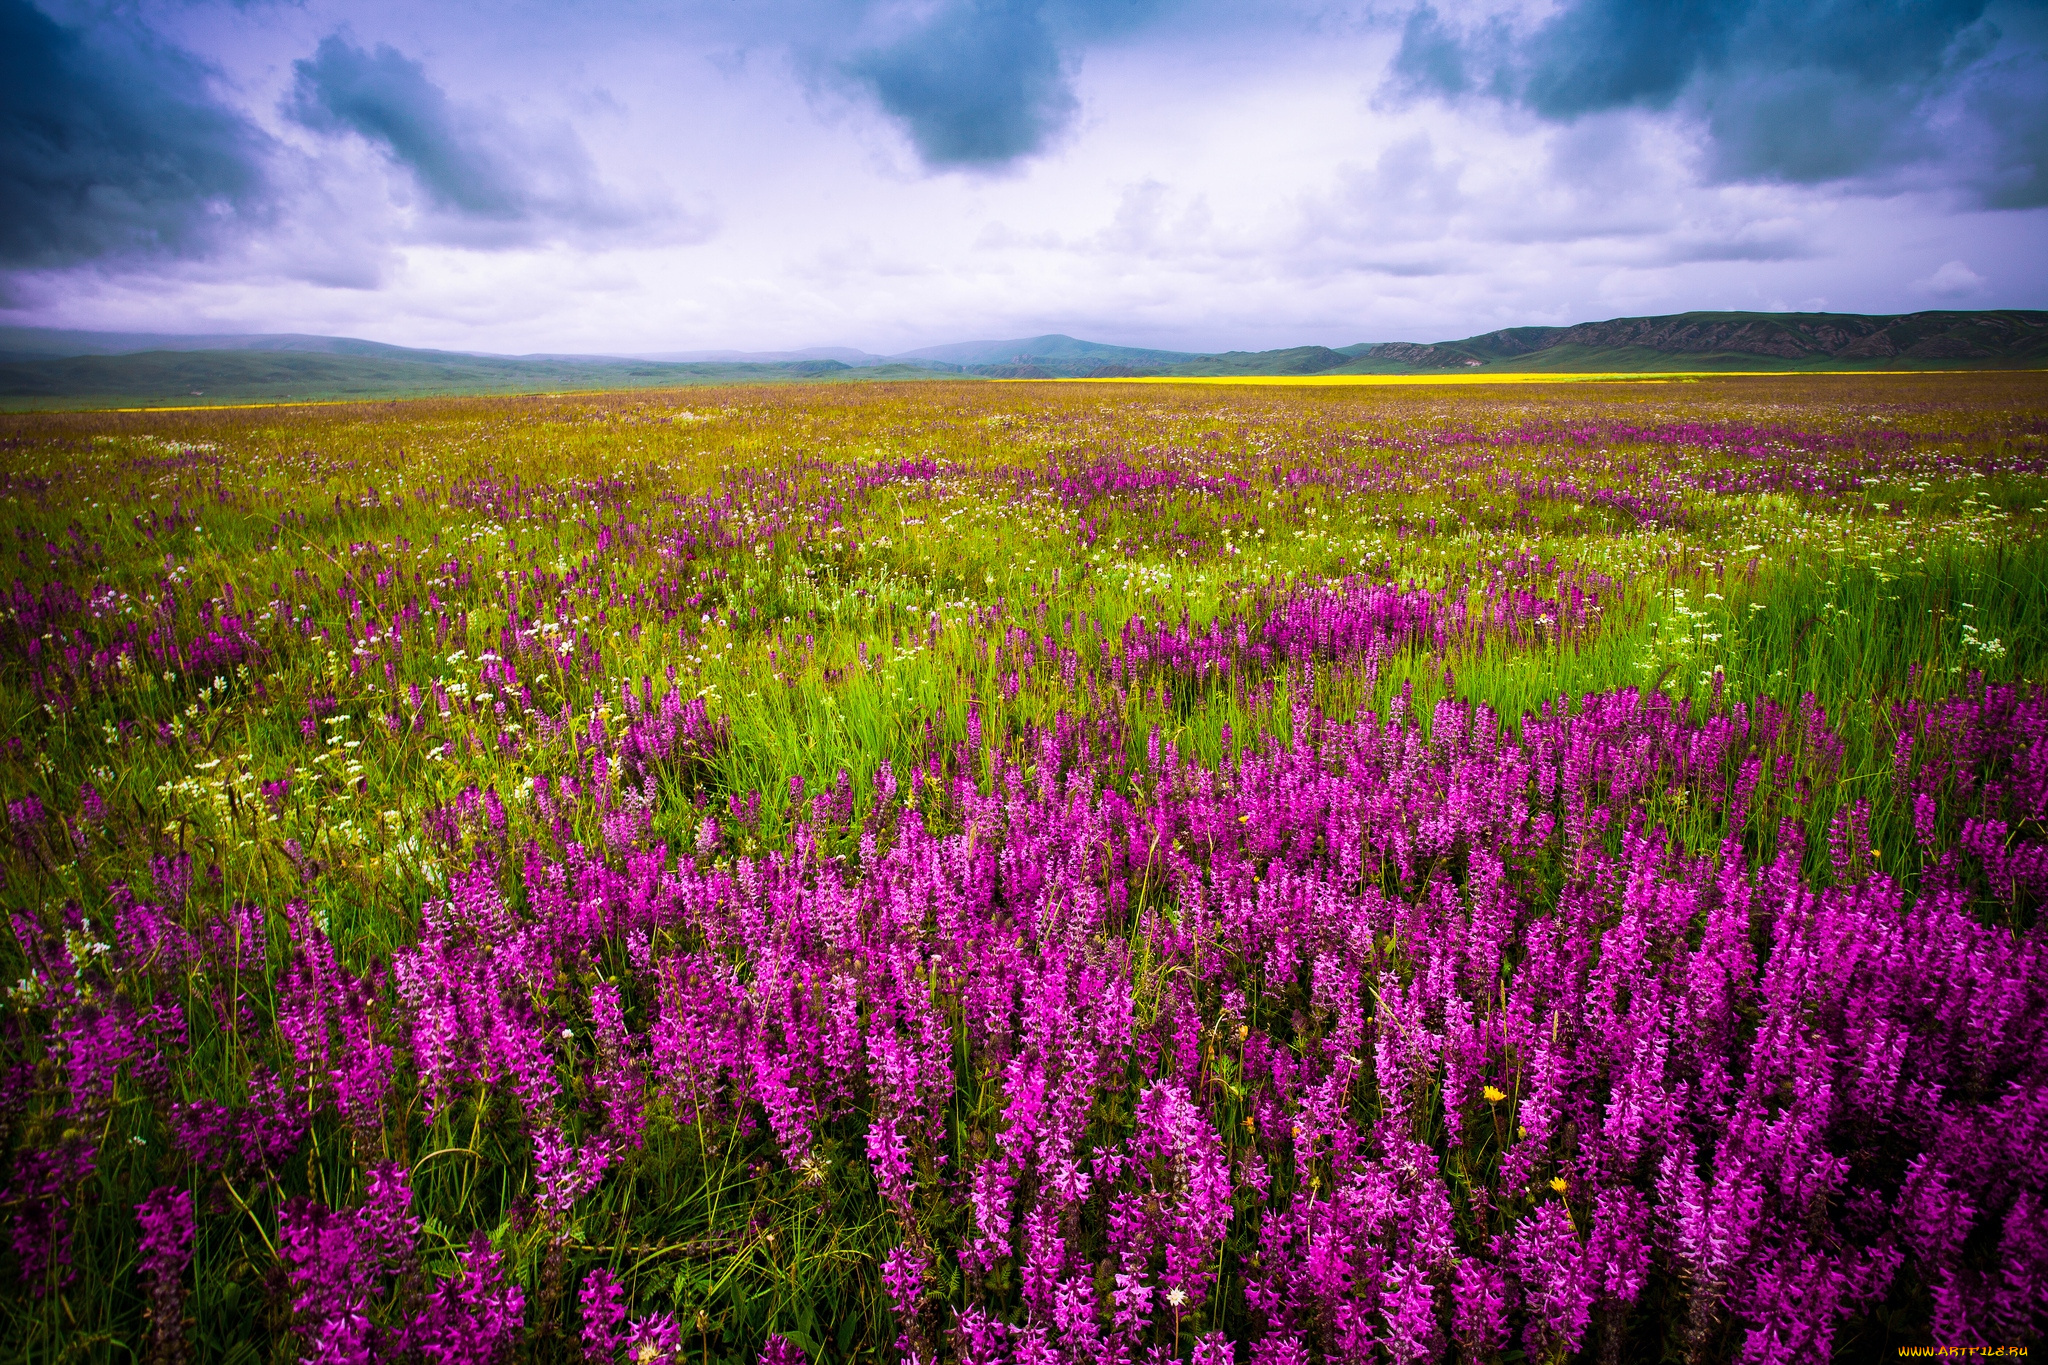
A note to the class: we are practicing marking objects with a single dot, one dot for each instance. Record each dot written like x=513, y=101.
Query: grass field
x=1030, y=871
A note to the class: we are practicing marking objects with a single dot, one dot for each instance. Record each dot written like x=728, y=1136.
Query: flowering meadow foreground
x=1027, y=873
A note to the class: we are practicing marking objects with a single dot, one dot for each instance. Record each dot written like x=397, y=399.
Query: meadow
x=1024, y=873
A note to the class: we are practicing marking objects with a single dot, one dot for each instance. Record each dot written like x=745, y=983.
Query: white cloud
x=1952, y=281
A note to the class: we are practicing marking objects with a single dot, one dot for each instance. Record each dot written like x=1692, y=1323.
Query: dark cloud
x=977, y=84
x=386, y=98
x=493, y=181
x=981, y=83
x=111, y=147
x=1796, y=90
x=1432, y=59
x=1599, y=54
x=2007, y=93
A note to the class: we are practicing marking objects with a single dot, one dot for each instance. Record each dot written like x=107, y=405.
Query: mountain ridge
x=2009, y=335
x=45, y=367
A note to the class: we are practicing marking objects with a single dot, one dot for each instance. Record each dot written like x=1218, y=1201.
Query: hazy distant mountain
x=49, y=343
x=1065, y=357
x=252, y=373
x=1701, y=341
x=845, y=355
x=47, y=367
x=1038, y=350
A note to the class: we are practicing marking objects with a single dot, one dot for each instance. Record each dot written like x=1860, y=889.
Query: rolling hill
x=2005, y=339
x=1054, y=352
x=50, y=368
x=250, y=374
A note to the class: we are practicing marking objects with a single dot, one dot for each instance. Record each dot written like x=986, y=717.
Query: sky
x=624, y=176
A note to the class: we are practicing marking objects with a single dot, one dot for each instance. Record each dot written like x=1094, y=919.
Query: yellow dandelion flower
x=1493, y=1094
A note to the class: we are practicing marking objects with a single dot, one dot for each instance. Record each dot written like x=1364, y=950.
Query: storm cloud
x=1798, y=91
x=386, y=98
x=977, y=84
x=471, y=165
x=111, y=146
x=982, y=83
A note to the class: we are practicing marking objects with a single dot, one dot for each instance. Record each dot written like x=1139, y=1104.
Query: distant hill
x=1756, y=341
x=1684, y=341
x=846, y=355
x=259, y=374
x=1064, y=357
x=1293, y=360
x=38, y=343
x=1055, y=353
x=51, y=368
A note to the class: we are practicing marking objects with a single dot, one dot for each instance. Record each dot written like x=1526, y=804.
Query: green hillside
x=206, y=378
x=1988, y=339
x=1293, y=360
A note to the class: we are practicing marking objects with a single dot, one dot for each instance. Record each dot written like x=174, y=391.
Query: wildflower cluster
x=989, y=875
